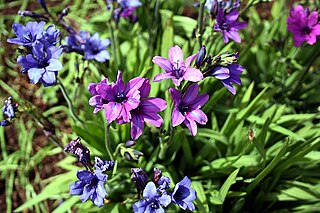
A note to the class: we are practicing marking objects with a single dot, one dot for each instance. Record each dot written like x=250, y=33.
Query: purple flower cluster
x=127, y=103
x=124, y=8
x=41, y=62
x=90, y=183
x=155, y=192
x=91, y=47
x=304, y=25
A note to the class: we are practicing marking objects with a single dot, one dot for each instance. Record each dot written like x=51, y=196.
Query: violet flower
x=96, y=49
x=90, y=185
x=27, y=35
x=304, y=25
x=103, y=165
x=121, y=98
x=82, y=152
x=139, y=178
x=96, y=100
x=50, y=36
x=176, y=68
x=228, y=25
x=187, y=108
x=126, y=9
x=225, y=5
x=76, y=42
x=183, y=194
x=9, y=109
x=147, y=111
x=43, y=65
x=227, y=75
x=153, y=201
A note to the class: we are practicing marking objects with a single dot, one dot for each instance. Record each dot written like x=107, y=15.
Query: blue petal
x=77, y=187
x=54, y=65
x=49, y=78
x=87, y=192
x=35, y=74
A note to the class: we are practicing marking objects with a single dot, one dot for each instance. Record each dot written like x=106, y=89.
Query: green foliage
x=275, y=171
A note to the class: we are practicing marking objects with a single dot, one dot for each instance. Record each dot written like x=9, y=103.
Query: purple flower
x=163, y=184
x=183, y=194
x=139, y=178
x=43, y=65
x=50, y=36
x=147, y=111
x=153, y=201
x=176, y=68
x=103, y=166
x=96, y=100
x=228, y=25
x=90, y=185
x=226, y=5
x=126, y=9
x=27, y=35
x=121, y=98
x=5, y=123
x=77, y=148
x=76, y=42
x=96, y=49
x=304, y=25
x=9, y=109
x=227, y=75
x=187, y=108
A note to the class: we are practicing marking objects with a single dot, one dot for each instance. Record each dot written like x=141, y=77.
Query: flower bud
x=139, y=178
x=201, y=56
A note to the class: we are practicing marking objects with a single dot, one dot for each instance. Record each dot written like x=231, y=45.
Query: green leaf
x=227, y=184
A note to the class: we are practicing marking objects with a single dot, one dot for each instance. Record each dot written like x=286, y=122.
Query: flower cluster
x=91, y=47
x=304, y=25
x=156, y=195
x=127, y=103
x=226, y=14
x=41, y=62
x=91, y=182
x=124, y=8
x=9, y=109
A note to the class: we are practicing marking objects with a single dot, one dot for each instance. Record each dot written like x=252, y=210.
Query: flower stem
x=107, y=142
x=200, y=23
x=70, y=106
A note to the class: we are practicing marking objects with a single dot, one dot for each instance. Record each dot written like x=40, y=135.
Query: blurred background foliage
x=259, y=152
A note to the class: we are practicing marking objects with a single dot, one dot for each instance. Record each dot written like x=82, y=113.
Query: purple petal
x=145, y=88
x=190, y=59
x=234, y=36
x=49, y=78
x=35, y=74
x=198, y=115
x=199, y=101
x=177, y=118
x=163, y=63
x=228, y=85
x=112, y=111
x=192, y=126
x=87, y=192
x=137, y=126
x=190, y=95
x=133, y=85
x=176, y=56
x=92, y=88
x=150, y=191
x=85, y=175
x=176, y=96
x=119, y=85
x=105, y=91
x=153, y=119
x=220, y=73
x=193, y=74
x=162, y=76
x=153, y=105
x=77, y=187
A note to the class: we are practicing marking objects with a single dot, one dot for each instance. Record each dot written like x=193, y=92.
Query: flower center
x=120, y=97
x=183, y=109
x=224, y=26
x=154, y=205
x=306, y=30
x=43, y=63
x=177, y=70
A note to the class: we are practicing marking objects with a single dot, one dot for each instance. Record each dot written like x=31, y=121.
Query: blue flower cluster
x=41, y=62
x=91, y=182
x=91, y=47
x=9, y=109
x=155, y=192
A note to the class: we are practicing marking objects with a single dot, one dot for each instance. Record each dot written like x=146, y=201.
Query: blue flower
x=96, y=49
x=50, y=36
x=5, y=123
x=9, y=108
x=153, y=201
x=76, y=42
x=90, y=185
x=27, y=35
x=77, y=148
x=163, y=184
x=183, y=194
x=103, y=166
x=43, y=65
x=227, y=75
x=140, y=178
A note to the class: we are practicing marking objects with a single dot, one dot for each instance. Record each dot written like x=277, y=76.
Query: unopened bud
x=251, y=134
x=201, y=56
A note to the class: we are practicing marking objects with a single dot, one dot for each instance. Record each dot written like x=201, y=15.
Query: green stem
x=200, y=23
x=107, y=142
x=70, y=106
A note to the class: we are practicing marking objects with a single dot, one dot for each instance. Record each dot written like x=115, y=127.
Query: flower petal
x=162, y=76
x=198, y=115
x=190, y=95
x=163, y=63
x=176, y=96
x=193, y=74
x=137, y=126
x=113, y=111
x=177, y=118
x=192, y=126
x=176, y=56
x=35, y=74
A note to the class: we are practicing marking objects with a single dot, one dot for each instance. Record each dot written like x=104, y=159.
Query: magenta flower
x=228, y=25
x=147, y=111
x=187, y=108
x=121, y=98
x=304, y=25
x=176, y=68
